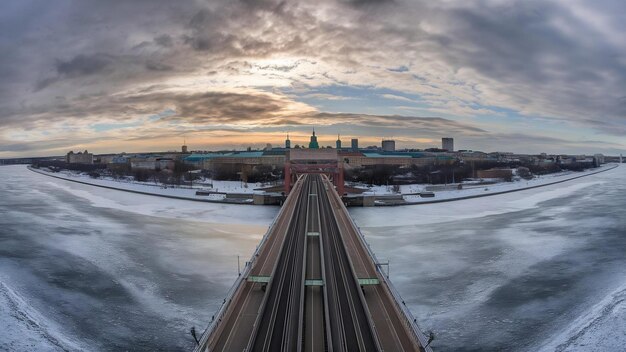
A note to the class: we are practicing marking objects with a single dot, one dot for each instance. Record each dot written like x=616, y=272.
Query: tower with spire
x=287, y=142
x=313, y=143
x=338, y=142
x=184, y=147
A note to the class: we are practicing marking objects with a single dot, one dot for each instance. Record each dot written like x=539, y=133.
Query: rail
x=217, y=318
x=409, y=320
x=361, y=296
x=256, y=325
x=327, y=329
x=300, y=338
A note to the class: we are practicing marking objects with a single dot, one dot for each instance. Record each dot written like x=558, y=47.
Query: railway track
x=305, y=290
x=278, y=325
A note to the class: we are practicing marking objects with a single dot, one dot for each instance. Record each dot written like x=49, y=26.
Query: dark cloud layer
x=86, y=60
x=224, y=108
x=82, y=65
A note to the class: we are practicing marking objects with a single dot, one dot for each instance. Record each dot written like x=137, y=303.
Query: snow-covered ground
x=214, y=213
x=600, y=328
x=219, y=187
x=472, y=190
x=30, y=331
x=408, y=191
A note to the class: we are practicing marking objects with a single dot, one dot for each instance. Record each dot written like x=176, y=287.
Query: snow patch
x=170, y=208
x=462, y=209
x=602, y=328
x=25, y=329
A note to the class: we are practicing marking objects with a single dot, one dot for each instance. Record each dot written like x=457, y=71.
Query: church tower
x=287, y=142
x=338, y=142
x=313, y=143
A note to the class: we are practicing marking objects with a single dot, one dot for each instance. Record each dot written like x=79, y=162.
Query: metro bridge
x=313, y=285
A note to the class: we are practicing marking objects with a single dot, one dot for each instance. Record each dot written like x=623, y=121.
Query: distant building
x=165, y=164
x=143, y=163
x=246, y=162
x=447, y=144
x=120, y=159
x=402, y=159
x=598, y=159
x=151, y=163
x=287, y=142
x=355, y=144
x=184, y=149
x=475, y=156
x=268, y=146
x=103, y=159
x=338, y=143
x=389, y=145
x=238, y=161
x=313, y=143
x=505, y=174
x=79, y=158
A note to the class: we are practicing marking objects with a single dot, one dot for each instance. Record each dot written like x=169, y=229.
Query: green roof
x=393, y=155
x=199, y=157
x=246, y=155
x=379, y=155
x=406, y=155
x=275, y=151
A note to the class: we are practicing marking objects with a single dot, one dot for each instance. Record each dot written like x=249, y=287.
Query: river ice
x=86, y=268
x=540, y=269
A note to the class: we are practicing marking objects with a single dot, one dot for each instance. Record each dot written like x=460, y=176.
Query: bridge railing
x=409, y=320
x=217, y=318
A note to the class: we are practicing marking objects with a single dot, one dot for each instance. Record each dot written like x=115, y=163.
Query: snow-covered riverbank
x=220, y=188
x=408, y=191
x=411, y=196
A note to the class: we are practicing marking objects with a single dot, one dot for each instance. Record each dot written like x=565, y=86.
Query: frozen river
x=541, y=269
x=85, y=268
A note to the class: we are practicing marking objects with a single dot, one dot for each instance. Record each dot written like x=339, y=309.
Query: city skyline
x=525, y=77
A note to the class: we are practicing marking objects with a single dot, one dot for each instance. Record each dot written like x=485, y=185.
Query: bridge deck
x=393, y=331
x=312, y=285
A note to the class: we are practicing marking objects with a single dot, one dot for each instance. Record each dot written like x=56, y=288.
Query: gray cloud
x=360, y=3
x=400, y=125
x=79, y=59
x=83, y=65
x=507, y=142
x=164, y=40
x=227, y=108
x=158, y=66
x=80, y=65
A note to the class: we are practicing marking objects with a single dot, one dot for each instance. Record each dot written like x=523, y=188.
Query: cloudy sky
x=497, y=75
